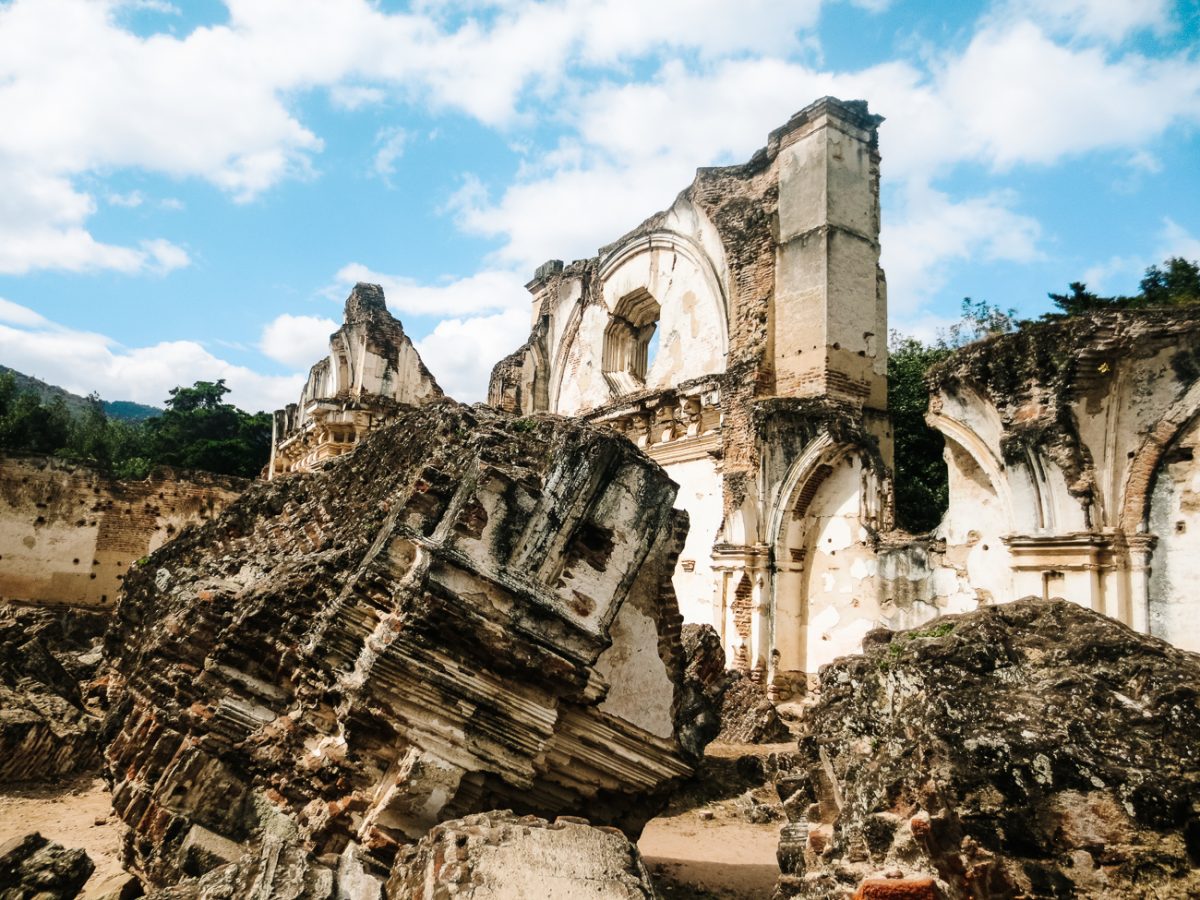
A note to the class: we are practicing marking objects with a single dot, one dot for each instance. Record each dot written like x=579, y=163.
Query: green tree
x=1080, y=300
x=29, y=426
x=200, y=431
x=1176, y=283
x=922, y=482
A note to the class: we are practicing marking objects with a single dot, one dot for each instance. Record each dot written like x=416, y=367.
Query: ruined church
x=739, y=338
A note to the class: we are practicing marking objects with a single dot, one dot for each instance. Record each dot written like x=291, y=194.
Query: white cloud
x=391, y=143
x=159, y=6
x=934, y=231
x=1012, y=96
x=485, y=291
x=461, y=352
x=355, y=96
x=131, y=200
x=16, y=314
x=1018, y=97
x=297, y=341
x=1111, y=20
x=217, y=103
x=85, y=361
x=1175, y=240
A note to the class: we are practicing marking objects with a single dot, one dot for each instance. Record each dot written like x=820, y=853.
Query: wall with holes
x=68, y=534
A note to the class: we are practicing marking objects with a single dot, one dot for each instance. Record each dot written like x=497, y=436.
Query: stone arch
x=825, y=488
x=1143, y=469
x=968, y=442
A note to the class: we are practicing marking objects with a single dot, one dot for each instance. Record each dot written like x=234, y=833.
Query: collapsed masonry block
x=498, y=856
x=470, y=612
x=33, y=867
x=1030, y=749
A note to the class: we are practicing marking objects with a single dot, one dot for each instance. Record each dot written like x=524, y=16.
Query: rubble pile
x=1033, y=749
x=744, y=715
x=471, y=612
x=45, y=730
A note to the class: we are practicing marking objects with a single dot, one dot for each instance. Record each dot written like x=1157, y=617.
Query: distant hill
x=126, y=410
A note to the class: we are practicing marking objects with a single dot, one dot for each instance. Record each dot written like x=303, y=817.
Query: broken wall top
x=1041, y=389
x=765, y=272
x=371, y=361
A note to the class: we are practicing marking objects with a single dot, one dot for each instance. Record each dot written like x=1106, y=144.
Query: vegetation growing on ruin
x=197, y=430
x=922, y=486
x=1043, y=352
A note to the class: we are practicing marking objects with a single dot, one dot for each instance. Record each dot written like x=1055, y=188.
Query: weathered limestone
x=45, y=730
x=1031, y=749
x=470, y=612
x=498, y=856
x=1073, y=470
x=69, y=534
x=33, y=868
x=372, y=367
x=739, y=339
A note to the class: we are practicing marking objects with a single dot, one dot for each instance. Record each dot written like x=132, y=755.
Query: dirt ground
x=706, y=846
x=720, y=858
x=72, y=813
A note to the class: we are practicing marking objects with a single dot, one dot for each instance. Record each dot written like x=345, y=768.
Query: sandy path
x=726, y=857
x=67, y=812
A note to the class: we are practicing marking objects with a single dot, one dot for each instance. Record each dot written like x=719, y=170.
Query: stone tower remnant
x=372, y=367
x=739, y=338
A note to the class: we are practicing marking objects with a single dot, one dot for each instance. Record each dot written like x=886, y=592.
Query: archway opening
x=627, y=341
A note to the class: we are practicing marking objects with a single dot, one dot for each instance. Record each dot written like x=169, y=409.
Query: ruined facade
x=1073, y=470
x=739, y=338
x=70, y=534
x=372, y=367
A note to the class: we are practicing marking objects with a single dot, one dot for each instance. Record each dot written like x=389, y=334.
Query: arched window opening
x=627, y=338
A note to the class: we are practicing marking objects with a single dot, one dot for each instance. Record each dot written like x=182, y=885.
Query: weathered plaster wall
x=68, y=535
x=761, y=282
x=1068, y=444
x=699, y=483
x=1175, y=521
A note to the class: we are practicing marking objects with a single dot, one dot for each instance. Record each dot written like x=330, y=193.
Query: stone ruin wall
x=1073, y=474
x=731, y=337
x=69, y=534
x=372, y=368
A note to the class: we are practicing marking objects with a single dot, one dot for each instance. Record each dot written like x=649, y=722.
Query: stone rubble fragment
x=744, y=714
x=470, y=612
x=45, y=731
x=499, y=856
x=33, y=868
x=1031, y=749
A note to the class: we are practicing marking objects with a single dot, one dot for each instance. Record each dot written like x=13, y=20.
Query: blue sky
x=188, y=188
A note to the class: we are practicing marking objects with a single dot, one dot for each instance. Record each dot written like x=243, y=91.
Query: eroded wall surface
x=760, y=285
x=1072, y=467
x=69, y=535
